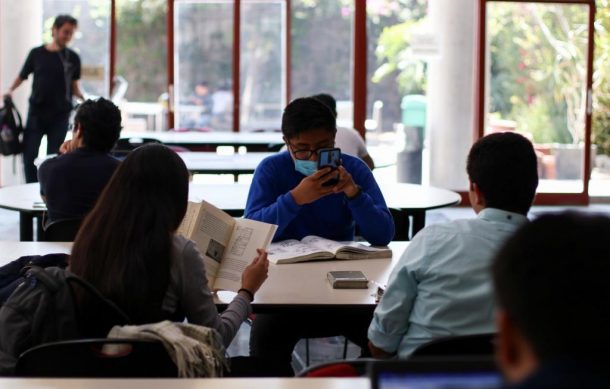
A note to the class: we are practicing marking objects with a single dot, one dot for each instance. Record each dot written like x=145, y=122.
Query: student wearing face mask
x=289, y=190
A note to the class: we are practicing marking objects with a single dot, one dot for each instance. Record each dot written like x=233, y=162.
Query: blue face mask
x=305, y=167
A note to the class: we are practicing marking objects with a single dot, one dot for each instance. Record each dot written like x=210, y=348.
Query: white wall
x=20, y=31
x=451, y=92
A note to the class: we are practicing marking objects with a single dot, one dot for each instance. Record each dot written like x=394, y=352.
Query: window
x=91, y=40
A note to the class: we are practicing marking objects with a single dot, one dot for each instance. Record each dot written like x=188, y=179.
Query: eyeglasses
x=306, y=153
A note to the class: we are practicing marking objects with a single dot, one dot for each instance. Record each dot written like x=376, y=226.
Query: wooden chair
x=89, y=358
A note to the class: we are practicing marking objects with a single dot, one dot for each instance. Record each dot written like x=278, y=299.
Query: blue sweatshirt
x=333, y=216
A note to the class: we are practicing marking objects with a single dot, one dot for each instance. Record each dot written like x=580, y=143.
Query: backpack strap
x=72, y=278
x=53, y=285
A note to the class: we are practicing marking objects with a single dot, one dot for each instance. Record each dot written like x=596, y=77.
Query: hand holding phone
x=330, y=157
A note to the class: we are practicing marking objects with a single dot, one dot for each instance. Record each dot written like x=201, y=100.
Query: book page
x=348, y=250
x=192, y=210
x=211, y=231
x=323, y=244
x=248, y=235
x=292, y=250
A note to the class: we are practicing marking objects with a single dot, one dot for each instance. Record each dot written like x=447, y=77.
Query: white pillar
x=451, y=92
x=20, y=31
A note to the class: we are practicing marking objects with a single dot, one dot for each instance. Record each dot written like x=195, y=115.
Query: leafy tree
x=601, y=79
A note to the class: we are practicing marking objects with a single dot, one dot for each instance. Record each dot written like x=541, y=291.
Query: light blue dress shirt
x=442, y=284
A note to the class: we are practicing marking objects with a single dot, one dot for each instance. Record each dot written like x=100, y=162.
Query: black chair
x=125, y=145
x=471, y=345
x=63, y=230
x=87, y=358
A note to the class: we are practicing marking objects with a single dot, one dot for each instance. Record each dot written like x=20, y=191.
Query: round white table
x=404, y=201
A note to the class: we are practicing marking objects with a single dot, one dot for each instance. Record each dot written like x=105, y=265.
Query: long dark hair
x=123, y=246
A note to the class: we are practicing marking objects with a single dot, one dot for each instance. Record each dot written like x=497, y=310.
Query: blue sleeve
x=266, y=203
x=369, y=209
x=28, y=66
x=392, y=316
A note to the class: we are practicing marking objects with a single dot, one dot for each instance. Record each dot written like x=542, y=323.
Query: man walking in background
x=56, y=70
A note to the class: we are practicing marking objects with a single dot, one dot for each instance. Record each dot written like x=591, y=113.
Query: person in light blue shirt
x=442, y=286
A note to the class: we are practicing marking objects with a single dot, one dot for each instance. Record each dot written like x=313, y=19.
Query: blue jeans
x=55, y=128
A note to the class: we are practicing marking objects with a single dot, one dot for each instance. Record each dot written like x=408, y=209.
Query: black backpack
x=42, y=309
x=11, y=128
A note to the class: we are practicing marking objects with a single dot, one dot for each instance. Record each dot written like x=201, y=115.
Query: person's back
x=551, y=288
x=347, y=139
x=441, y=286
x=71, y=182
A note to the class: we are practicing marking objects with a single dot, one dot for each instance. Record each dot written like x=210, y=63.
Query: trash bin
x=409, y=160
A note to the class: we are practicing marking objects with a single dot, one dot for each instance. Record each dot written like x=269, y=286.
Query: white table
x=261, y=141
x=298, y=286
x=201, y=383
x=405, y=200
x=212, y=163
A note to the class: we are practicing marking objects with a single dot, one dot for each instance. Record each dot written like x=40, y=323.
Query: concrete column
x=20, y=31
x=451, y=92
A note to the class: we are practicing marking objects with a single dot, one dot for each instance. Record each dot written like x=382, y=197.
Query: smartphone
x=330, y=158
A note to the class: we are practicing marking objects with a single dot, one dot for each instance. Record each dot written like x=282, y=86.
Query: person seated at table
x=552, y=293
x=441, y=285
x=129, y=250
x=288, y=190
x=347, y=139
x=71, y=182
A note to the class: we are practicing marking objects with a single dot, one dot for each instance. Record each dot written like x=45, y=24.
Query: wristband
x=247, y=292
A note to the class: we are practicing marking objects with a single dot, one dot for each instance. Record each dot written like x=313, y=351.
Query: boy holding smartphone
x=290, y=191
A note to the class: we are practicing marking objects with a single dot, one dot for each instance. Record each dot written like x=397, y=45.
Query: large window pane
x=536, y=84
x=142, y=62
x=322, y=52
x=203, y=41
x=91, y=41
x=262, y=70
x=396, y=87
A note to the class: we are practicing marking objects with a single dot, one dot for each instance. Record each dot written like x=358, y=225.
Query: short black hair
x=551, y=279
x=100, y=123
x=305, y=114
x=328, y=100
x=505, y=168
x=60, y=20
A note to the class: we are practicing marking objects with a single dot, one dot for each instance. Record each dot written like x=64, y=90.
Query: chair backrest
x=472, y=345
x=89, y=358
x=125, y=145
x=342, y=368
x=63, y=230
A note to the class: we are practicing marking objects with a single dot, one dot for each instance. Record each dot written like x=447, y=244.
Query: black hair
x=551, y=279
x=306, y=114
x=505, y=168
x=124, y=244
x=60, y=20
x=327, y=100
x=100, y=123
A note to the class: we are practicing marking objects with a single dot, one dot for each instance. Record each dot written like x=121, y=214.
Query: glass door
x=535, y=72
x=91, y=40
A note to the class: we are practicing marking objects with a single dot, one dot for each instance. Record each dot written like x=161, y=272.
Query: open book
x=312, y=248
x=228, y=244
